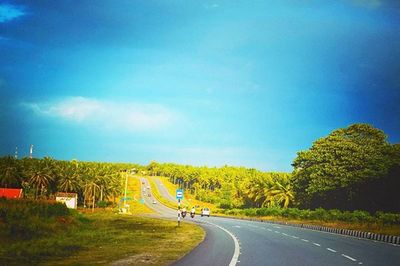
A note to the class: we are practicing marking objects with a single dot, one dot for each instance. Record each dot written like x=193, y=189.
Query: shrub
x=29, y=218
x=388, y=218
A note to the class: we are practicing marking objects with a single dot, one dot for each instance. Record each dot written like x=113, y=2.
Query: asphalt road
x=262, y=243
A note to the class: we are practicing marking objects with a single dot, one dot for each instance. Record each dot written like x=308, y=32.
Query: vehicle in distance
x=205, y=212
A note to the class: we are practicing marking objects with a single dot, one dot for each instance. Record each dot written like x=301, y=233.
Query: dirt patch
x=139, y=259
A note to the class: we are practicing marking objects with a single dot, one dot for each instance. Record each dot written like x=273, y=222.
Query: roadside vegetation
x=349, y=177
x=97, y=184
x=41, y=232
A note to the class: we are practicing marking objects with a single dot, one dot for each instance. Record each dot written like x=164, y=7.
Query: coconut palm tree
x=41, y=174
x=68, y=177
x=281, y=191
x=10, y=175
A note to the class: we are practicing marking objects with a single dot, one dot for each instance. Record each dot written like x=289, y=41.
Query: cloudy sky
x=245, y=83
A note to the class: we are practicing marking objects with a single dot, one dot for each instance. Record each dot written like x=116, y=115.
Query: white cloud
x=125, y=116
x=10, y=12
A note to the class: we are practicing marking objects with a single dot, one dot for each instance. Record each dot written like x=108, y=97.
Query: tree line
x=353, y=168
x=42, y=178
x=229, y=187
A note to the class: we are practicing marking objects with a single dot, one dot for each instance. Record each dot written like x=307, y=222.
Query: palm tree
x=10, y=175
x=41, y=174
x=68, y=177
x=281, y=192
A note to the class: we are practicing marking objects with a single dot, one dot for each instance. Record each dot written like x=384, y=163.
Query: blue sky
x=244, y=83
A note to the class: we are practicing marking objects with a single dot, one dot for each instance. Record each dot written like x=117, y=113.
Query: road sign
x=125, y=198
x=179, y=194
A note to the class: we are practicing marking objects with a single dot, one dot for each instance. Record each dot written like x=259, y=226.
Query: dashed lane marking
x=316, y=244
x=305, y=240
x=295, y=237
x=348, y=257
x=285, y=234
x=331, y=250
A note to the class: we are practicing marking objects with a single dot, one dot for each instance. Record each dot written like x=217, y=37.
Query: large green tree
x=344, y=161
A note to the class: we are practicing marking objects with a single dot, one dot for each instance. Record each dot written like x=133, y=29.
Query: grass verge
x=103, y=238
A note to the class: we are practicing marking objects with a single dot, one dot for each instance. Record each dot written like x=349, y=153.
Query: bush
x=29, y=218
x=388, y=218
x=319, y=214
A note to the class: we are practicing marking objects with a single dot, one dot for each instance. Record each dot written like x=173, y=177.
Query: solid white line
x=305, y=240
x=348, y=257
x=236, y=253
x=316, y=244
x=331, y=250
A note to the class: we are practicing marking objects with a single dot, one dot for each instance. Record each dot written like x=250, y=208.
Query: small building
x=11, y=193
x=70, y=199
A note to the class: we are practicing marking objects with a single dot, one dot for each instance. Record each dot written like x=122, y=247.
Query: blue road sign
x=179, y=194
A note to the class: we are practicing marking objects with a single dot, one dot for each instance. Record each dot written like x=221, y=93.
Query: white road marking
x=331, y=250
x=348, y=257
x=305, y=240
x=276, y=232
x=237, y=226
x=316, y=244
x=236, y=253
x=277, y=227
x=269, y=230
x=296, y=237
x=285, y=234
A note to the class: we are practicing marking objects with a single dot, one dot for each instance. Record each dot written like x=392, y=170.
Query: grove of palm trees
x=351, y=169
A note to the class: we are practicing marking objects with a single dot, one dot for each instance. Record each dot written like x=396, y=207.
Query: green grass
x=101, y=238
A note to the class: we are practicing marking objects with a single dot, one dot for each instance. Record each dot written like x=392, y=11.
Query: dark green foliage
x=42, y=178
x=28, y=218
x=320, y=214
x=352, y=168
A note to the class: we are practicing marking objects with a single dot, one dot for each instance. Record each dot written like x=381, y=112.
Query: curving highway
x=241, y=242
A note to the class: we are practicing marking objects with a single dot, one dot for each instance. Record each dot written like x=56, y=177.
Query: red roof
x=11, y=193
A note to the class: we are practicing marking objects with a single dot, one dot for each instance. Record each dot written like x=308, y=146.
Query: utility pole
x=16, y=153
x=30, y=151
x=126, y=187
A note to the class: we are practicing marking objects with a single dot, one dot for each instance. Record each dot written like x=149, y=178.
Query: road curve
x=263, y=243
x=216, y=249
